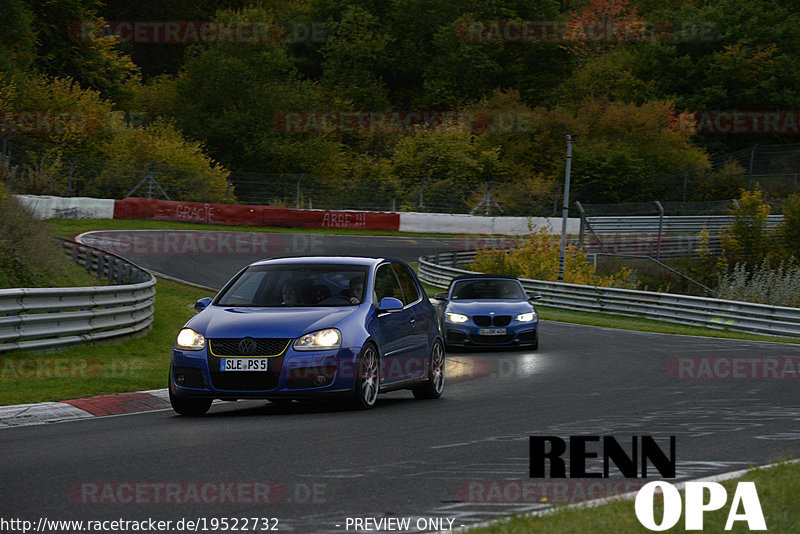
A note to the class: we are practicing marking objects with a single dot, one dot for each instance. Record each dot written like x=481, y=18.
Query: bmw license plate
x=492, y=331
x=244, y=364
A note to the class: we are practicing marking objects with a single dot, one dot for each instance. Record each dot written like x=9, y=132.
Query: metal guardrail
x=43, y=318
x=671, y=224
x=680, y=309
x=600, y=229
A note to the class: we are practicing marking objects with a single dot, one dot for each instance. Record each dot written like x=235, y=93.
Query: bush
x=748, y=241
x=790, y=230
x=537, y=258
x=776, y=287
x=29, y=255
x=191, y=175
x=101, y=139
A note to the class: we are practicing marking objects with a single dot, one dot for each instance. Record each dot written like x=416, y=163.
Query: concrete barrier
x=476, y=224
x=48, y=207
x=242, y=215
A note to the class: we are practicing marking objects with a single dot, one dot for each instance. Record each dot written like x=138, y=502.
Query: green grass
x=29, y=256
x=648, y=325
x=777, y=489
x=69, y=228
x=97, y=369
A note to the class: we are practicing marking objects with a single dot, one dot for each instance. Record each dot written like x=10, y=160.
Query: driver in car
x=290, y=294
x=356, y=290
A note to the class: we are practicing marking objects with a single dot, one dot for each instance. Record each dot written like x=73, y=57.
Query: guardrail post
x=297, y=192
x=660, y=227
x=582, y=214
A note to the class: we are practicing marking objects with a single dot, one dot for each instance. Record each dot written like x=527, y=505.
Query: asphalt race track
x=212, y=258
x=408, y=458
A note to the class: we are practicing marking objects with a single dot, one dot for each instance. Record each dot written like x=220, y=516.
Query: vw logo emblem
x=247, y=346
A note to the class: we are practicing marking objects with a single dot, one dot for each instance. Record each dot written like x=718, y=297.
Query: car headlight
x=188, y=339
x=526, y=317
x=330, y=338
x=457, y=317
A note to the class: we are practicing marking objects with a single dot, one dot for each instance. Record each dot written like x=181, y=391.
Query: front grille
x=263, y=346
x=496, y=320
x=492, y=340
x=502, y=320
x=482, y=320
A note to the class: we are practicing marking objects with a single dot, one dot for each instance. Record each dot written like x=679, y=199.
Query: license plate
x=244, y=364
x=493, y=331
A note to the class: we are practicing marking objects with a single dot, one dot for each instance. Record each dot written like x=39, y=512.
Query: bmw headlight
x=457, y=317
x=330, y=338
x=526, y=317
x=188, y=339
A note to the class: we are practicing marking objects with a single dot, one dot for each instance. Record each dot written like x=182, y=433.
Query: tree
x=230, y=96
x=748, y=241
x=17, y=40
x=447, y=163
x=354, y=56
x=603, y=24
x=790, y=229
x=71, y=44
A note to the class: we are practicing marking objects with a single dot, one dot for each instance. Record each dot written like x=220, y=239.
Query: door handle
x=412, y=321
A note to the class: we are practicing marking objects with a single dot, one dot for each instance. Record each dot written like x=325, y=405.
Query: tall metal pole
x=565, y=211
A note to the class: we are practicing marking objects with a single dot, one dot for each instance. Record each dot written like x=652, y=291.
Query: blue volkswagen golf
x=488, y=310
x=303, y=328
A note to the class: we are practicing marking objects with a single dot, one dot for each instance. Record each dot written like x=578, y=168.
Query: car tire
x=187, y=406
x=368, y=378
x=434, y=386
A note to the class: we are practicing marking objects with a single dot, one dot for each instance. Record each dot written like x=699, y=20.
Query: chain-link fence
x=773, y=168
x=29, y=165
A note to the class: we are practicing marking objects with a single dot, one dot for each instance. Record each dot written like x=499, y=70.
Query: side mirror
x=441, y=295
x=390, y=305
x=202, y=304
x=533, y=296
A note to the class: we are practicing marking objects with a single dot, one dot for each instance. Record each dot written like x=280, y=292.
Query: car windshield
x=487, y=289
x=296, y=286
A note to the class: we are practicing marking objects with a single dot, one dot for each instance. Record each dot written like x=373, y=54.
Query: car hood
x=487, y=306
x=220, y=321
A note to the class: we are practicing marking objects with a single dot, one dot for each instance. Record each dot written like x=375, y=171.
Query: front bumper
x=521, y=334
x=293, y=374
